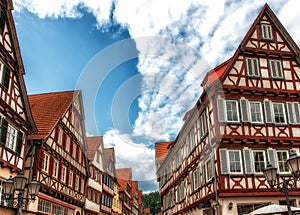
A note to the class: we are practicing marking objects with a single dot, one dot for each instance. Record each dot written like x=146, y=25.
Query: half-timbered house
x=134, y=198
x=95, y=152
x=57, y=153
x=124, y=176
x=108, y=179
x=248, y=115
x=16, y=121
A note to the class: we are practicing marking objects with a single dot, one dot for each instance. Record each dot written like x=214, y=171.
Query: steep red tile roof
x=162, y=149
x=93, y=144
x=134, y=185
x=47, y=109
x=214, y=74
x=123, y=176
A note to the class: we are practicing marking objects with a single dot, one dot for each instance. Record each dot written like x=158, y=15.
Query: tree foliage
x=152, y=201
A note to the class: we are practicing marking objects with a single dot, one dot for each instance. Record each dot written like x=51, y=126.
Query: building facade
x=124, y=176
x=57, y=153
x=95, y=152
x=117, y=203
x=134, y=198
x=16, y=121
x=247, y=116
x=108, y=178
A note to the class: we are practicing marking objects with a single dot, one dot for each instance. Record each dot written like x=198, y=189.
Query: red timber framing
x=248, y=115
x=16, y=120
x=58, y=151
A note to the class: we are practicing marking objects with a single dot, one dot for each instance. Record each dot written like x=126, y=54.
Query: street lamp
x=270, y=173
x=17, y=184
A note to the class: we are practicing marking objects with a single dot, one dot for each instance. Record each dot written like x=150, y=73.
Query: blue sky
x=138, y=63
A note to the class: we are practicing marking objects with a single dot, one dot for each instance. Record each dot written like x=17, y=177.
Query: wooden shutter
x=245, y=110
x=248, y=160
x=41, y=158
x=67, y=176
x=5, y=77
x=290, y=111
x=71, y=147
x=64, y=140
x=268, y=111
x=297, y=112
x=59, y=170
x=221, y=110
x=56, y=133
x=223, y=161
x=272, y=157
x=2, y=21
x=19, y=142
x=51, y=165
x=4, y=125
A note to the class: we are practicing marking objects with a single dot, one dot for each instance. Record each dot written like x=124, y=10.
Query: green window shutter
x=19, y=142
x=3, y=132
x=5, y=77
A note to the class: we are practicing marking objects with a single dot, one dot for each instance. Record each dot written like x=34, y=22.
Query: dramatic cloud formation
x=194, y=36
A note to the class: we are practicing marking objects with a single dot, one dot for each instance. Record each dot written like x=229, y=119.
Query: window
x=82, y=186
x=259, y=160
x=232, y=111
x=276, y=69
x=279, y=113
x=256, y=112
x=234, y=158
x=55, y=168
x=77, y=183
x=69, y=211
x=44, y=206
x=68, y=143
x=4, y=75
x=58, y=209
x=228, y=110
x=252, y=68
x=208, y=169
x=63, y=174
x=195, y=179
x=1, y=193
x=70, y=178
x=282, y=156
x=11, y=137
x=266, y=31
x=45, y=166
x=60, y=134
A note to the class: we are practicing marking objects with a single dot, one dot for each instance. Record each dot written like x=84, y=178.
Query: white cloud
x=171, y=69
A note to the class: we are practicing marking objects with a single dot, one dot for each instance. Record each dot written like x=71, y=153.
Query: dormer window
x=266, y=31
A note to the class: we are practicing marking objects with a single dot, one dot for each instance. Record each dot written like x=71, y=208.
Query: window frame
x=260, y=112
x=279, y=161
x=276, y=69
x=46, y=163
x=266, y=31
x=232, y=110
x=229, y=161
x=254, y=64
x=259, y=161
x=283, y=113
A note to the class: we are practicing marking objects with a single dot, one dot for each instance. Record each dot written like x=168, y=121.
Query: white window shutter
x=244, y=110
x=268, y=111
x=223, y=161
x=297, y=112
x=221, y=110
x=248, y=160
x=290, y=112
x=272, y=157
